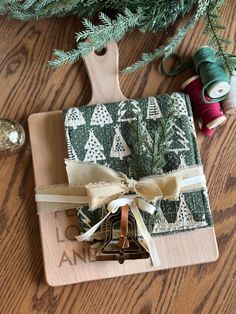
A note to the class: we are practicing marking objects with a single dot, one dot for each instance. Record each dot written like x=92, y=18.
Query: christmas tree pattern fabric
x=119, y=147
x=153, y=110
x=128, y=111
x=101, y=116
x=74, y=118
x=93, y=149
x=102, y=134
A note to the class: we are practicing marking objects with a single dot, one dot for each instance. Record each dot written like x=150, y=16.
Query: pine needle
x=152, y=15
x=148, y=157
x=213, y=29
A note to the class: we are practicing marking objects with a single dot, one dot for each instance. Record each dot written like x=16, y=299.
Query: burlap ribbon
x=96, y=185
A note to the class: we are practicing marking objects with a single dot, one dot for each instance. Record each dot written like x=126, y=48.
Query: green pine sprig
x=156, y=150
x=148, y=156
x=98, y=36
x=136, y=162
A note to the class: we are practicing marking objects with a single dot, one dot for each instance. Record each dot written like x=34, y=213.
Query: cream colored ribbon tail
x=134, y=204
x=146, y=235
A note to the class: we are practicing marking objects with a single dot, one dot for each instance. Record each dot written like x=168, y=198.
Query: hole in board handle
x=101, y=52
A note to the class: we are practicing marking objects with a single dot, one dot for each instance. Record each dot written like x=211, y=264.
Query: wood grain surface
x=28, y=85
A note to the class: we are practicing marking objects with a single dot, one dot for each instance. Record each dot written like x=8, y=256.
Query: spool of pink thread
x=209, y=115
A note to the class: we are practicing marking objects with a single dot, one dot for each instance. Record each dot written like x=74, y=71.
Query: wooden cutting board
x=67, y=261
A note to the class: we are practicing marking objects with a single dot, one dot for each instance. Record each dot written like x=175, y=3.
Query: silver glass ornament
x=12, y=137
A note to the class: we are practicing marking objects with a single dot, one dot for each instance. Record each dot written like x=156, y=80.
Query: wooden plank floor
x=28, y=85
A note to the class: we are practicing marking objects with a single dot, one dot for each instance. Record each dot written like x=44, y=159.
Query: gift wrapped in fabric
x=140, y=138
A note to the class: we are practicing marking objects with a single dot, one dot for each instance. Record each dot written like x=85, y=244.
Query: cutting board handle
x=103, y=72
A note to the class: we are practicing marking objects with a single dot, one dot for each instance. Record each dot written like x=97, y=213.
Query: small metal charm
x=12, y=137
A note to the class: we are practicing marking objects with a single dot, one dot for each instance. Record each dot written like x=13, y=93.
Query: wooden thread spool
x=229, y=104
x=210, y=114
x=215, y=80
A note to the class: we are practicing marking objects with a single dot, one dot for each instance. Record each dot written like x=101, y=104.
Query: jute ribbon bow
x=96, y=185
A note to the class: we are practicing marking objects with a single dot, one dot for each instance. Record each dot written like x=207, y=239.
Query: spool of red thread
x=210, y=115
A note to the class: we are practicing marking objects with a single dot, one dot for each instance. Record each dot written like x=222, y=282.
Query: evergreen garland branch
x=98, y=36
x=157, y=14
x=152, y=15
x=168, y=48
x=213, y=28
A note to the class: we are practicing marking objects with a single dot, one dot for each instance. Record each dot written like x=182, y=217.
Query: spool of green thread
x=215, y=80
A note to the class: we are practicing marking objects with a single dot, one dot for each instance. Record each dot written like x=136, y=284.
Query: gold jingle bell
x=12, y=137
